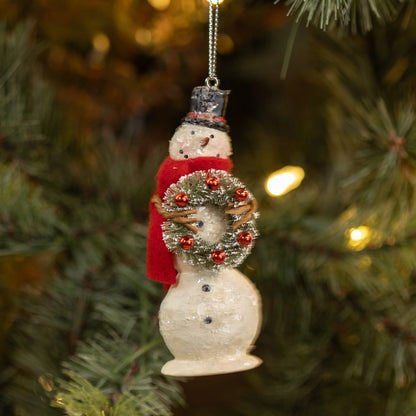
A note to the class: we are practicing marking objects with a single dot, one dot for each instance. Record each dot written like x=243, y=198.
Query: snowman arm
x=181, y=217
x=248, y=210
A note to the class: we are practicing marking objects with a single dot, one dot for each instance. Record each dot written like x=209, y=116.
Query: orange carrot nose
x=204, y=141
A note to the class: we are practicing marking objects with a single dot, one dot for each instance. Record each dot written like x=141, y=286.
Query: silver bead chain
x=212, y=80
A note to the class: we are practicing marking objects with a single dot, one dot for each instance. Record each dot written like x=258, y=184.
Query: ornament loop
x=212, y=82
x=212, y=44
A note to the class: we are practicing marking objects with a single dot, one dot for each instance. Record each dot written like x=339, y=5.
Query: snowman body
x=209, y=322
x=209, y=319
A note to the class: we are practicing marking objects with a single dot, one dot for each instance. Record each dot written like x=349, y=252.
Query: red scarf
x=160, y=261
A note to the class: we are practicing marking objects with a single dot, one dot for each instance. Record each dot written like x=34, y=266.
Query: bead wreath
x=216, y=188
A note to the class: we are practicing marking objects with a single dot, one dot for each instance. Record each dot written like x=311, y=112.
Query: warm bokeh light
x=46, y=382
x=356, y=234
x=143, y=36
x=215, y=1
x=225, y=43
x=101, y=42
x=60, y=401
x=159, y=4
x=359, y=237
x=284, y=180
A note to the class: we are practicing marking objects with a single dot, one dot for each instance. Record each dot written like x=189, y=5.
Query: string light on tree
x=358, y=238
x=284, y=180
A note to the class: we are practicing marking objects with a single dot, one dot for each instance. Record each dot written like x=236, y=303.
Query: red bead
x=213, y=183
x=218, y=256
x=245, y=239
x=181, y=199
x=241, y=194
x=187, y=242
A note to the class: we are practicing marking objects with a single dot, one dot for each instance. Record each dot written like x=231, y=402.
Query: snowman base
x=223, y=365
x=209, y=322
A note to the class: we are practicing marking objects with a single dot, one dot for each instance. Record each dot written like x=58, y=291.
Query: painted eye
x=192, y=132
x=212, y=136
x=206, y=288
x=181, y=152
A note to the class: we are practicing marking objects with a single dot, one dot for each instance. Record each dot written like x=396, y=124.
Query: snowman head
x=203, y=131
x=195, y=140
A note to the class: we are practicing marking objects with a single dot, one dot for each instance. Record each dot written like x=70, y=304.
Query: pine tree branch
x=97, y=312
x=346, y=14
x=398, y=331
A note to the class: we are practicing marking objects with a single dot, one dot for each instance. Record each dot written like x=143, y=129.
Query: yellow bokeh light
x=143, y=36
x=364, y=262
x=159, y=4
x=215, y=1
x=46, y=382
x=225, y=43
x=356, y=234
x=358, y=238
x=284, y=180
x=101, y=42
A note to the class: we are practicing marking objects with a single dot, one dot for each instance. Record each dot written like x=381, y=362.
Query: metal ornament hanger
x=212, y=80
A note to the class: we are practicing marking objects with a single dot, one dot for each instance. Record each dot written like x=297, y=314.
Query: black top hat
x=208, y=107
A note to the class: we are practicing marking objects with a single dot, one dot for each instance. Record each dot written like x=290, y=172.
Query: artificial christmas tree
x=335, y=264
x=86, y=310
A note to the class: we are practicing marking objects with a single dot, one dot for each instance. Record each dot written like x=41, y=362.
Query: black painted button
x=208, y=320
x=206, y=288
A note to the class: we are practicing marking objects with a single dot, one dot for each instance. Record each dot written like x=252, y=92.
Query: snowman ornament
x=202, y=226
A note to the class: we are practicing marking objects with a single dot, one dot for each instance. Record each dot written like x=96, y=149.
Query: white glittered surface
x=211, y=223
x=191, y=140
x=210, y=322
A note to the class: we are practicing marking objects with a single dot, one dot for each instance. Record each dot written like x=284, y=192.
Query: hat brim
x=217, y=123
